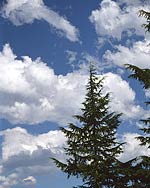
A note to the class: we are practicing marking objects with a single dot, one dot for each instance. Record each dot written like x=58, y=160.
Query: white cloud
x=122, y=96
x=25, y=155
x=26, y=11
x=30, y=180
x=30, y=92
x=147, y=93
x=132, y=148
x=111, y=20
x=25, y=143
x=138, y=54
x=13, y=179
x=134, y=3
x=8, y=181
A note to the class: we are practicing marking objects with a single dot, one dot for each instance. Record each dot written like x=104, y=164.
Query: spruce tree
x=147, y=16
x=143, y=75
x=92, y=147
x=138, y=169
x=140, y=173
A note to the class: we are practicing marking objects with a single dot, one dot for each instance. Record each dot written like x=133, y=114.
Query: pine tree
x=92, y=147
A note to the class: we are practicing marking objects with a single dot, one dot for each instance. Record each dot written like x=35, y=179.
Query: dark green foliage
x=147, y=16
x=143, y=75
x=145, y=140
x=139, y=175
x=92, y=147
x=137, y=172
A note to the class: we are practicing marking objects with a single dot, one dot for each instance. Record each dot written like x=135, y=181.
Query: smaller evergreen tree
x=140, y=173
x=143, y=75
x=92, y=148
x=147, y=16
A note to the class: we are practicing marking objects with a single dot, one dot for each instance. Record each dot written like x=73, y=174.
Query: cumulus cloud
x=138, y=54
x=132, y=148
x=23, y=141
x=30, y=91
x=122, y=96
x=25, y=11
x=27, y=155
x=111, y=20
x=8, y=181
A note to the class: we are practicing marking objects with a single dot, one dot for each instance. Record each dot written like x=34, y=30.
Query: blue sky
x=45, y=50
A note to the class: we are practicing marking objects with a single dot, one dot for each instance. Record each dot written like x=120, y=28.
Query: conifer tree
x=147, y=16
x=140, y=173
x=92, y=147
x=139, y=168
x=143, y=75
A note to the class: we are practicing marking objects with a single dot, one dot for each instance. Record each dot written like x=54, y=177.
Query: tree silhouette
x=92, y=147
x=139, y=168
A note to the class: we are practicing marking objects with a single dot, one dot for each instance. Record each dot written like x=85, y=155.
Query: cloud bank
x=26, y=156
x=30, y=91
x=25, y=11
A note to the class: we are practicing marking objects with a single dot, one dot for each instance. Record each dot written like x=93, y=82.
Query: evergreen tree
x=138, y=169
x=143, y=75
x=92, y=147
x=147, y=16
x=140, y=173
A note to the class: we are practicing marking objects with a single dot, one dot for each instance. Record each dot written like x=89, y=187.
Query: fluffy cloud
x=111, y=20
x=26, y=155
x=26, y=11
x=25, y=143
x=122, y=96
x=9, y=181
x=132, y=147
x=30, y=92
x=138, y=54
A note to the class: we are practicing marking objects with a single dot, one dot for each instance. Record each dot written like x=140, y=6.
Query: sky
x=45, y=50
